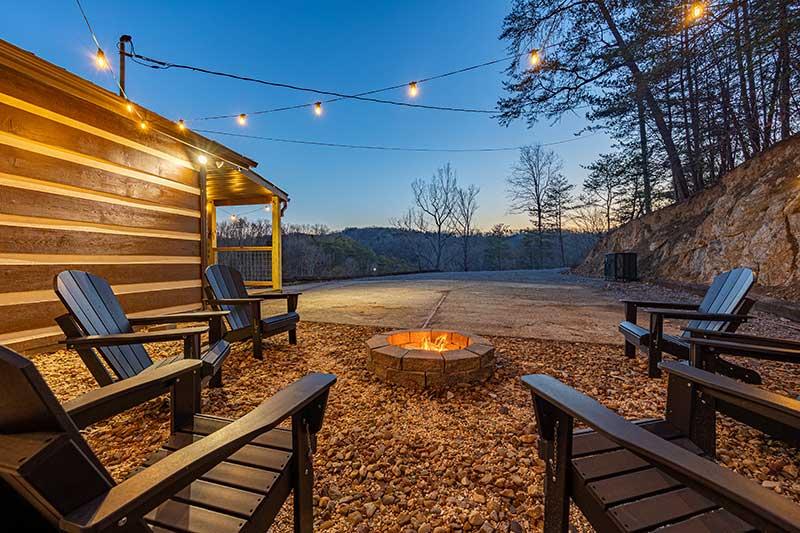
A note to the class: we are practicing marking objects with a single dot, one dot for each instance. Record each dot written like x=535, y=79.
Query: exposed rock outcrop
x=750, y=218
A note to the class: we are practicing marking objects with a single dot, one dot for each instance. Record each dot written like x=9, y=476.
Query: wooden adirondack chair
x=723, y=308
x=96, y=324
x=656, y=474
x=226, y=291
x=707, y=346
x=213, y=474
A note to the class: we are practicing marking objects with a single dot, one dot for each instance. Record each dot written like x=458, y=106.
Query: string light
x=182, y=125
x=242, y=119
x=318, y=108
x=129, y=107
x=696, y=11
x=412, y=89
x=100, y=60
x=142, y=125
x=202, y=159
x=233, y=218
x=535, y=58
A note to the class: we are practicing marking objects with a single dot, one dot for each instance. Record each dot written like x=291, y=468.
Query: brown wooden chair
x=212, y=474
x=707, y=347
x=723, y=308
x=655, y=474
x=226, y=291
x=98, y=328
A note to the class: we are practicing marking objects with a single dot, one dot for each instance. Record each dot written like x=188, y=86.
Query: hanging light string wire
x=387, y=148
x=163, y=65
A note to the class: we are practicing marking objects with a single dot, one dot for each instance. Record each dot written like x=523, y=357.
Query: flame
x=439, y=345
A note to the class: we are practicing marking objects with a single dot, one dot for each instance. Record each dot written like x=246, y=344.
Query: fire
x=439, y=345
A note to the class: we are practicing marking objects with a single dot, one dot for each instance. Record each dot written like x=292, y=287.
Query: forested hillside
x=315, y=252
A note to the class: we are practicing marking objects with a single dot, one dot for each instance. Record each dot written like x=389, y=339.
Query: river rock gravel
x=394, y=459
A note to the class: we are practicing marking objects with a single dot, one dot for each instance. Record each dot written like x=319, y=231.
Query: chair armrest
x=140, y=493
x=670, y=305
x=746, y=499
x=233, y=301
x=274, y=295
x=696, y=315
x=743, y=349
x=776, y=407
x=742, y=338
x=113, y=399
x=199, y=316
x=120, y=339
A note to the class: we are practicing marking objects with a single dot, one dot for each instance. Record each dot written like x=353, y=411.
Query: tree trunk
x=648, y=202
x=678, y=177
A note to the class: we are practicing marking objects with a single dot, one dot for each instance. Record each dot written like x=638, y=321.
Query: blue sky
x=334, y=45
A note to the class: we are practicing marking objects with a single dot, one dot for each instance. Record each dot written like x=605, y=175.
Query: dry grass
x=392, y=459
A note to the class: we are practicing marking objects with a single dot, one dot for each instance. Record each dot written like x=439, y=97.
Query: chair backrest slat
x=726, y=295
x=93, y=304
x=226, y=282
x=66, y=474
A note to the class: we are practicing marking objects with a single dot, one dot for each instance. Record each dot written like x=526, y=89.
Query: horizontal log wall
x=83, y=187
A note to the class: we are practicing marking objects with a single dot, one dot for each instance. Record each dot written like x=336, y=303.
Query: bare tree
x=411, y=223
x=559, y=201
x=528, y=187
x=435, y=206
x=464, y=217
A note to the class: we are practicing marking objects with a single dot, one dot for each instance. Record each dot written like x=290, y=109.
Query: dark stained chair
x=226, y=291
x=96, y=324
x=212, y=474
x=654, y=475
x=723, y=308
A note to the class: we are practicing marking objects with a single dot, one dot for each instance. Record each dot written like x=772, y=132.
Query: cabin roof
x=234, y=180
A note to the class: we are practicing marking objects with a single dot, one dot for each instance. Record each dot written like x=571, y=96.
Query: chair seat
x=212, y=358
x=243, y=488
x=639, y=336
x=634, y=333
x=216, y=354
x=279, y=323
x=633, y=495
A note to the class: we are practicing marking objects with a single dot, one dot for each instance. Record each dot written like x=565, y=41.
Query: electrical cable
x=385, y=148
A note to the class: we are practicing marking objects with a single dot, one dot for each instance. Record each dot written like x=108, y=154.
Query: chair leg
x=292, y=336
x=654, y=357
x=216, y=379
x=303, y=476
x=654, y=347
x=630, y=350
x=258, y=350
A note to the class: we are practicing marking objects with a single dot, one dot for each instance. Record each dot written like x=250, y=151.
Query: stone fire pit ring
x=397, y=357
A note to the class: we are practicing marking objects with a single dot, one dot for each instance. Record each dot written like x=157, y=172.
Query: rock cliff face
x=750, y=218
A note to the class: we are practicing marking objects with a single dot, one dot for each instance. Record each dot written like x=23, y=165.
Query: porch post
x=277, y=270
x=211, y=210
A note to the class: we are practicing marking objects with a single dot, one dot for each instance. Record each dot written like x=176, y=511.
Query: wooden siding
x=83, y=187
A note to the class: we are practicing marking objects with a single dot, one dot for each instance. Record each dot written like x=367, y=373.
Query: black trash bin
x=621, y=266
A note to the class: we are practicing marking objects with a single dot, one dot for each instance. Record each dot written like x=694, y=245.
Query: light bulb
x=100, y=59
x=202, y=159
x=242, y=119
x=181, y=125
x=129, y=107
x=535, y=58
x=142, y=125
x=697, y=10
x=233, y=218
x=318, y=108
x=412, y=89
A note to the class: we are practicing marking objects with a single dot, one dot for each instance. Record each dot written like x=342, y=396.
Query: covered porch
x=227, y=186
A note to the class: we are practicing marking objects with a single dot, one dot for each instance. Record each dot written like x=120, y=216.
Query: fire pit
x=430, y=358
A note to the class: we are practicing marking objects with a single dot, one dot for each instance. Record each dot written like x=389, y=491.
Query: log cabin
x=91, y=181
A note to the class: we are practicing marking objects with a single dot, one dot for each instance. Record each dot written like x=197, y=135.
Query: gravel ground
x=391, y=459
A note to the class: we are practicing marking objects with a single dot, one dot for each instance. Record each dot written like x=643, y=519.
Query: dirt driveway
x=545, y=304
